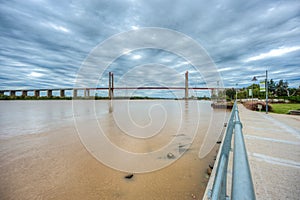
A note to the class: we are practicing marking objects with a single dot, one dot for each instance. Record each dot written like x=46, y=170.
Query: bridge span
x=110, y=89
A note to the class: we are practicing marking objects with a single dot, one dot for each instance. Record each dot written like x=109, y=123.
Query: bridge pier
x=24, y=93
x=49, y=93
x=36, y=93
x=111, y=90
x=186, y=96
x=74, y=93
x=111, y=85
x=86, y=92
x=12, y=93
x=1, y=92
x=62, y=93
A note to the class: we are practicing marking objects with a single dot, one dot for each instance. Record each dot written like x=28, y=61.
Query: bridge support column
x=1, y=92
x=212, y=91
x=111, y=90
x=24, y=93
x=49, y=93
x=12, y=93
x=86, y=92
x=62, y=93
x=110, y=85
x=36, y=93
x=186, y=96
x=74, y=93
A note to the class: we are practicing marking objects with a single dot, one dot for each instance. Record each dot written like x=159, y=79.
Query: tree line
x=278, y=89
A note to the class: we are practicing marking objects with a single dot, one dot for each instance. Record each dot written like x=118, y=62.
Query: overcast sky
x=44, y=43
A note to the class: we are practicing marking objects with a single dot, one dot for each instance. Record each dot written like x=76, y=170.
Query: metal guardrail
x=242, y=185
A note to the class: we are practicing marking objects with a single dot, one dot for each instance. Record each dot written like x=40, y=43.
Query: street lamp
x=266, y=88
x=236, y=91
x=252, y=92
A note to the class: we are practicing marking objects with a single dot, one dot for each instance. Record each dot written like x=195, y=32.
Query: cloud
x=244, y=38
x=36, y=74
x=136, y=57
x=58, y=27
x=273, y=53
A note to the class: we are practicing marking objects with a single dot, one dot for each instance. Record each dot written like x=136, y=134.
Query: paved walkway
x=273, y=146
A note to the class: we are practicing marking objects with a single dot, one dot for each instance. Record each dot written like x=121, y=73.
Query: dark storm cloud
x=43, y=43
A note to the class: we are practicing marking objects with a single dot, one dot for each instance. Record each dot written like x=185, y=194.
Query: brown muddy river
x=85, y=149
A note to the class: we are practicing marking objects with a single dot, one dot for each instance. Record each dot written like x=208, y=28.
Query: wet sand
x=55, y=165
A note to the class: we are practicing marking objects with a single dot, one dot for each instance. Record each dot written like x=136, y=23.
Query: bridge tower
x=110, y=85
x=186, y=96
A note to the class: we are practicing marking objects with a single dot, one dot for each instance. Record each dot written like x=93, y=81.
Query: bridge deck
x=117, y=88
x=273, y=145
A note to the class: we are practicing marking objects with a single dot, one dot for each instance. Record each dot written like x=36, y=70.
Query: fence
x=242, y=185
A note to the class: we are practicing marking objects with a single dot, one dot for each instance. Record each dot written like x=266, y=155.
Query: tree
x=255, y=90
x=230, y=93
x=292, y=91
x=242, y=94
x=298, y=91
x=275, y=89
x=282, y=88
x=272, y=87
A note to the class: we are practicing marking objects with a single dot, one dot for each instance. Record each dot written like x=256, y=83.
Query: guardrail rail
x=242, y=184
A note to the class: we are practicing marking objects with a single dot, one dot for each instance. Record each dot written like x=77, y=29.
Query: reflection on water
x=27, y=117
x=58, y=160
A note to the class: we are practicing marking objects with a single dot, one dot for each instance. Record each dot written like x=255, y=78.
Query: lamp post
x=266, y=89
x=267, y=97
x=236, y=91
x=252, y=93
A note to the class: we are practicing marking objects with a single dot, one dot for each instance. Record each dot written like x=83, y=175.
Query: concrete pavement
x=273, y=146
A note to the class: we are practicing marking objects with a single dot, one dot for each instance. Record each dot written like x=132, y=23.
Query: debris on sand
x=170, y=155
x=209, y=169
x=129, y=176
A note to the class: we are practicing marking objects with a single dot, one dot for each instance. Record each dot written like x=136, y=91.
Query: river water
x=85, y=149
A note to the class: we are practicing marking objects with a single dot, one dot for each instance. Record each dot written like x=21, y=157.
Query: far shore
x=5, y=97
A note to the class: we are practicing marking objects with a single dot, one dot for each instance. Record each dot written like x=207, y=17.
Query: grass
x=284, y=108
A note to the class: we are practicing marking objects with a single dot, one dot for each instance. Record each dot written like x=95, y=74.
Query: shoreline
x=32, y=98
